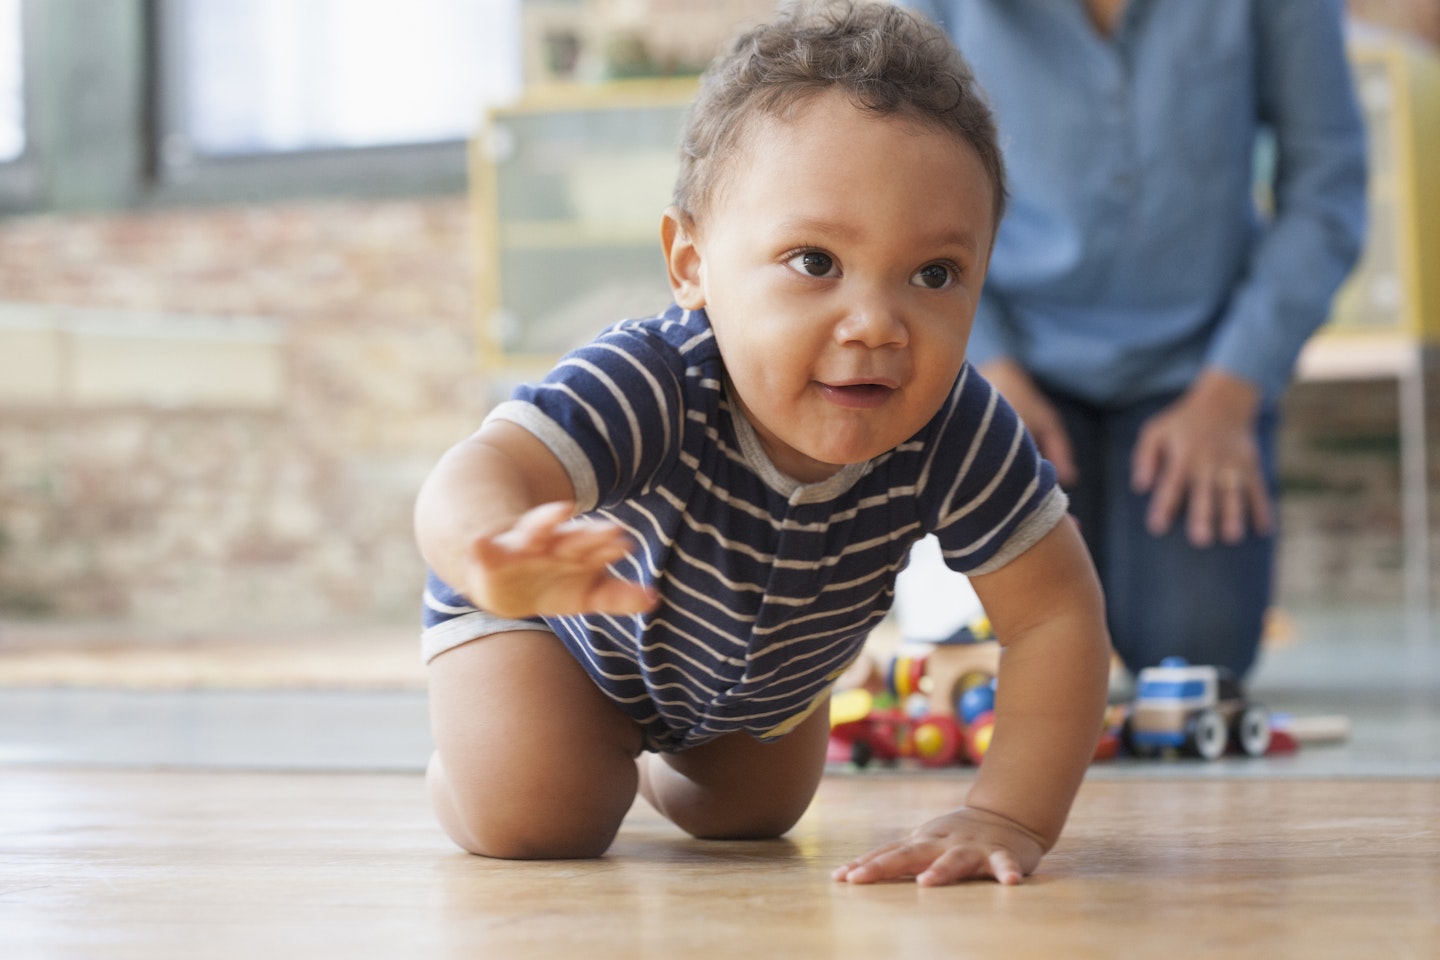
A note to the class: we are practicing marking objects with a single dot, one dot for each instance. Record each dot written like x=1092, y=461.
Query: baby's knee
x=514, y=821
x=520, y=838
x=754, y=830
x=755, y=820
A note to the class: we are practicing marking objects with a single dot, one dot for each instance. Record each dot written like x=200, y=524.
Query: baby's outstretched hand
x=968, y=844
x=551, y=563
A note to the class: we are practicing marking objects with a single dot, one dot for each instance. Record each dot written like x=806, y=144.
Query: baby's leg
x=736, y=787
x=532, y=761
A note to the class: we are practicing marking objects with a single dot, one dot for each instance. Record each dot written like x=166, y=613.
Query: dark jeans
x=1164, y=596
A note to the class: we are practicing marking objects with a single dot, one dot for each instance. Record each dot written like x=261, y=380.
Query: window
x=19, y=173
x=12, y=82
x=281, y=80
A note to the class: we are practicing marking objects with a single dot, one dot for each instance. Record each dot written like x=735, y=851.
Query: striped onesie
x=767, y=587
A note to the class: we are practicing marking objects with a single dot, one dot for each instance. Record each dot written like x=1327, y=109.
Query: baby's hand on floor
x=551, y=563
x=968, y=844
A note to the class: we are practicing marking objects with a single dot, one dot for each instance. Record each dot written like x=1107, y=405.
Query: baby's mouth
x=859, y=396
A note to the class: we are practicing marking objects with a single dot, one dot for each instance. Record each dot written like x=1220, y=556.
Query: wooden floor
x=154, y=865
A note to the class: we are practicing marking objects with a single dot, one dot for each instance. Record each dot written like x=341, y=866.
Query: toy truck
x=1196, y=710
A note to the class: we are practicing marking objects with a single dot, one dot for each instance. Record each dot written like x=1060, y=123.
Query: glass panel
x=12, y=83
x=579, y=193
x=265, y=76
x=557, y=299
x=608, y=165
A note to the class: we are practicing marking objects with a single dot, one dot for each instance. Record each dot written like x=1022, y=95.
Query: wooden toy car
x=1197, y=710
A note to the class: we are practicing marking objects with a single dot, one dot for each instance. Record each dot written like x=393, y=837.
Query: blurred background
x=262, y=261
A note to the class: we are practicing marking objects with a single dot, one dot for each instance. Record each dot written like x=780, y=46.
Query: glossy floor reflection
x=228, y=824
x=159, y=865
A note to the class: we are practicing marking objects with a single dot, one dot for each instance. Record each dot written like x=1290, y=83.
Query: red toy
x=937, y=710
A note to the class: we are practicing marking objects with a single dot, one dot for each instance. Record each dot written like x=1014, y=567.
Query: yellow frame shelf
x=1399, y=85
x=491, y=236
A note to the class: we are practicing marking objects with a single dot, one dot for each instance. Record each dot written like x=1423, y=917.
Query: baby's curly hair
x=886, y=59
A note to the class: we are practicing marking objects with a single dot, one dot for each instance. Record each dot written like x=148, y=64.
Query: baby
x=649, y=569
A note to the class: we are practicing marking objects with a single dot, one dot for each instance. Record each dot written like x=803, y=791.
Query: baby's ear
x=682, y=258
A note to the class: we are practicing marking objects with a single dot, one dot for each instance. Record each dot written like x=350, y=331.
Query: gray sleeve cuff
x=1029, y=533
x=560, y=443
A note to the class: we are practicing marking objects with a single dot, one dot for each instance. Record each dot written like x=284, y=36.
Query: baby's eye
x=935, y=276
x=813, y=263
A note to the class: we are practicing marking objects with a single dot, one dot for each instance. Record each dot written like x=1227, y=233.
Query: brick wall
x=1342, y=536
x=232, y=507
x=297, y=508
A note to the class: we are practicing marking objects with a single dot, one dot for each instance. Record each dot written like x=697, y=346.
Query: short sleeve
x=611, y=412
x=989, y=494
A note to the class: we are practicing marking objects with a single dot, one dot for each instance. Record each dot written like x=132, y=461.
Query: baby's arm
x=494, y=520
x=1047, y=611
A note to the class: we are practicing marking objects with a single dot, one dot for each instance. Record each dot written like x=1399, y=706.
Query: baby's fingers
x=621, y=597
x=896, y=862
x=535, y=529
x=970, y=863
x=592, y=543
x=952, y=866
x=552, y=530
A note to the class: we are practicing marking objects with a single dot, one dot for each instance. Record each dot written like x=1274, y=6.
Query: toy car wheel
x=1205, y=734
x=1127, y=737
x=1252, y=730
x=1128, y=744
x=861, y=753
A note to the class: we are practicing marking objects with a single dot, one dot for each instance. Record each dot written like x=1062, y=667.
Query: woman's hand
x=1201, y=451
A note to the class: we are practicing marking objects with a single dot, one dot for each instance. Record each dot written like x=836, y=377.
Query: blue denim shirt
x=1133, y=253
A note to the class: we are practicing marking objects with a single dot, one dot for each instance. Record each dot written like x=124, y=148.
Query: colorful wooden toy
x=1196, y=710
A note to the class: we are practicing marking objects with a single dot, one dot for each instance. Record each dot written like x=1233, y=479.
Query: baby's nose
x=874, y=321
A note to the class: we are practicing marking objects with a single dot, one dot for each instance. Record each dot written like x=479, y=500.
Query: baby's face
x=840, y=266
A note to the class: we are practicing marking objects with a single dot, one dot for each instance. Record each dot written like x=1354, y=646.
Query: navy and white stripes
x=767, y=587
